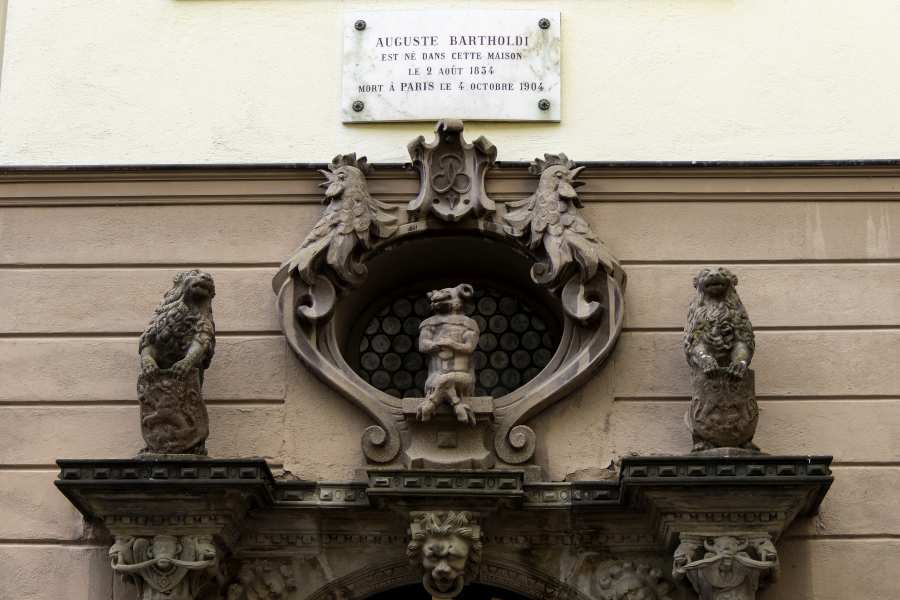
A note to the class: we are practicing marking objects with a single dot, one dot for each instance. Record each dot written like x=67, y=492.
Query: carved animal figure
x=550, y=217
x=730, y=569
x=447, y=548
x=718, y=334
x=175, y=349
x=449, y=338
x=165, y=567
x=350, y=223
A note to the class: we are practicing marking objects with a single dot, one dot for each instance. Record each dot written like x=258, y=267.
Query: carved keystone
x=726, y=566
x=446, y=547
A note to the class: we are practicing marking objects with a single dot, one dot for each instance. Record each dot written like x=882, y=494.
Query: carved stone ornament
x=630, y=581
x=449, y=338
x=719, y=345
x=165, y=567
x=538, y=251
x=262, y=580
x=726, y=567
x=175, y=349
x=446, y=547
x=452, y=172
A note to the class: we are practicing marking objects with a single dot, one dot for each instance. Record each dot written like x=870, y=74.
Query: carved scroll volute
x=726, y=566
x=452, y=173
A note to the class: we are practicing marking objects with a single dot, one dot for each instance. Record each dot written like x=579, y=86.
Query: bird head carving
x=345, y=173
x=558, y=175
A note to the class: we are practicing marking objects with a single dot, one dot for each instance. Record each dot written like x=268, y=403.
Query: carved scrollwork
x=630, y=581
x=539, y=246
x=262, y=580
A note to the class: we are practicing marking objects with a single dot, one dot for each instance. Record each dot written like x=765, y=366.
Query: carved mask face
x=444, y=560
x=450, y=300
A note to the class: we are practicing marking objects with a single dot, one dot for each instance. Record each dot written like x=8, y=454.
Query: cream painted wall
x=207, y=81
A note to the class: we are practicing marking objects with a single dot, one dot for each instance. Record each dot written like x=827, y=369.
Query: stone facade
x=74, y=372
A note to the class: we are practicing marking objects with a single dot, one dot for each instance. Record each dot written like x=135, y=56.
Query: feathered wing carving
x=351, y=223
x=556, y=231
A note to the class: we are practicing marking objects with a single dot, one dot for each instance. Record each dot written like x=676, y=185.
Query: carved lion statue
x=175, y=349
x=718, y=334
x=447, y=547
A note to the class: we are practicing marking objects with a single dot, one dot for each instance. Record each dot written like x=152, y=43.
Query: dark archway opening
x=471, y=592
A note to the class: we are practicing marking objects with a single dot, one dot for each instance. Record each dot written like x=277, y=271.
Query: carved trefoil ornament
x=452, y=172
x=166, y=567
x=726, y=567
x=719, y=345
x=446, y=547
x=538, y=251
x=175, y=350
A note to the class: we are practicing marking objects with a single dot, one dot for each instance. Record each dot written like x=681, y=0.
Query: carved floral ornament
x=538, y=249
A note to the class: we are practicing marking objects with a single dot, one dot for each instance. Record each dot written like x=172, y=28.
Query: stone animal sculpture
x=449, y=338
x=628, y=581
x=175, y=349
x=165, y=567
x=351, y=223
x=719, y=345
x=730, y=568
x=718, y=334
x=550, y=219
x=446, y=547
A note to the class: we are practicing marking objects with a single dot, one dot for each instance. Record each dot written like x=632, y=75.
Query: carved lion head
x=450, y=300
x=194, y=287
x=447, y=547
x=715, y=282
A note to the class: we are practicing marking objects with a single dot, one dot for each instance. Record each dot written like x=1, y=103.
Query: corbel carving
x=630, y=581
x=719, y=345
x=262, y=580
x=446, y=548
x=726, y=567
x=166, y=567
x=570, y=254
x=176, y=348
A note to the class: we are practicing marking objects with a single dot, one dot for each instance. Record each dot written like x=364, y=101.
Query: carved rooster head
x=345, y=173
x=558, y=175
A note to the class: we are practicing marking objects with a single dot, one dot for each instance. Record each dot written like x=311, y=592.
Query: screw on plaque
x=544, y=23
x=358, y=105
x=544, y=104
x=360, y=25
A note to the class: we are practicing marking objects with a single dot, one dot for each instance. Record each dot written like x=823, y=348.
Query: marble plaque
x=424, y=65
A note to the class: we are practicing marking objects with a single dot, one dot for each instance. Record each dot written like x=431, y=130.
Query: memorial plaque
x=424, y=65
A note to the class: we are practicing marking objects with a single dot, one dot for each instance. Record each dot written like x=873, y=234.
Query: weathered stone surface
x=851, y=430
x=32, y=509
x=46, y=572
x=262, y=579
x=38, y=435
x=65, y=300
x=97, y=369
